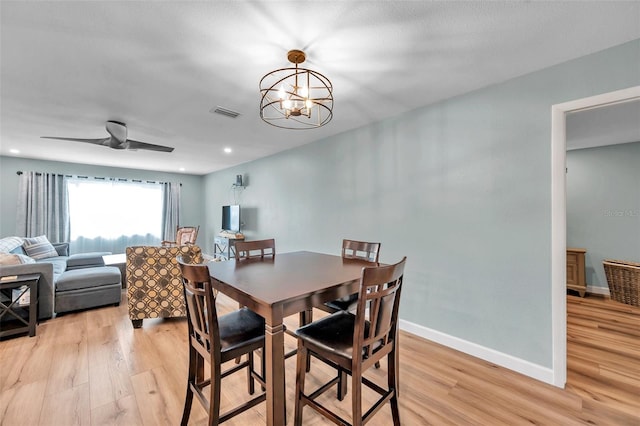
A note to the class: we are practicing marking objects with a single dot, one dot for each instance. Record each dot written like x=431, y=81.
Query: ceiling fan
x=118, y=139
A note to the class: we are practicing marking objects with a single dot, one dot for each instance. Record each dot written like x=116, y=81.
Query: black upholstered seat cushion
x=346, y=303
x=240, y=328
x=333, y=334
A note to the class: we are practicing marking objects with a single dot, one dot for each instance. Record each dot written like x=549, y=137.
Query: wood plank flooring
x=93, y=368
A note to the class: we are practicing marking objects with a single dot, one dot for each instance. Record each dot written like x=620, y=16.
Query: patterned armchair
x=154, y=283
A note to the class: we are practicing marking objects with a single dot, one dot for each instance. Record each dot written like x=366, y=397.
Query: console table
x=575, y=270
x=15, y=317
x=224, y=247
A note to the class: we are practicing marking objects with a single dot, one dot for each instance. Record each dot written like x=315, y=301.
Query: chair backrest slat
x=257, y=248
x=380, y=291
x=201, y=307
x=363, y=250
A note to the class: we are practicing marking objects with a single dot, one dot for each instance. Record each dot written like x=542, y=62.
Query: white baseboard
x=535, y=371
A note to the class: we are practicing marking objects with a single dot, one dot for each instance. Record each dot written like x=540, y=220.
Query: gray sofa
x=71, y=282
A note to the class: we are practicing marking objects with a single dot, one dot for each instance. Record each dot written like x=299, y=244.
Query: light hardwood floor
x=93, y=368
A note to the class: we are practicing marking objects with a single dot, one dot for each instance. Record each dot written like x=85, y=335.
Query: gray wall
x=192, y=186
x=603, y=205
x=462, y=187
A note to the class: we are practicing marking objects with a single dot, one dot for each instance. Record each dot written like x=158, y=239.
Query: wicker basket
x=624, y=281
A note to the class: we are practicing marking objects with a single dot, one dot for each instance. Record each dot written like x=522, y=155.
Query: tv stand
x=224, y=245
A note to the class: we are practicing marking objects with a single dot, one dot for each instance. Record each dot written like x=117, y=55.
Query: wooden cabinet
x=576, y=270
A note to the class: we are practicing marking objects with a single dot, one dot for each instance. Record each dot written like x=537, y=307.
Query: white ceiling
x=160, y=67
x=606, y=125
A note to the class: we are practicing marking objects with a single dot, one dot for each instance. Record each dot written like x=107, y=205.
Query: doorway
x=559, y=218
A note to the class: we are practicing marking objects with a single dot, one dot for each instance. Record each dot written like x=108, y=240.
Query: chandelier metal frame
x=296, y=98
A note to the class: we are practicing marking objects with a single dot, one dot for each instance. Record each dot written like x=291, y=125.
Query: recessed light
x=14, y=151
x=228, y=150
x=182, y=169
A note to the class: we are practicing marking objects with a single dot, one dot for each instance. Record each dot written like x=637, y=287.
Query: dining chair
x=353, y=343
x=217, y=340
x=257, y=248
x=360, y=250
x=351, y=249
x=185, y=235
x=262, y=249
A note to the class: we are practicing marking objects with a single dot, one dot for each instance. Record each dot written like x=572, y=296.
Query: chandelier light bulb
x=281, y=92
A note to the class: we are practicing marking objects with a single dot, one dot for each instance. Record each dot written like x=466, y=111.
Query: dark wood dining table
x=279, y=286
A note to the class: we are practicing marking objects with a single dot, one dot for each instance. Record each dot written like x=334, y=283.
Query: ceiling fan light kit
x=296, y=98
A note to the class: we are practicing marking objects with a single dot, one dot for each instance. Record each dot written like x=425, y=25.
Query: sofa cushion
x=39, y=247
x=8, y=244
x=59, y=265
x=88, y=277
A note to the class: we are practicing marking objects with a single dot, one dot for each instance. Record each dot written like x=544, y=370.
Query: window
x=111, y=215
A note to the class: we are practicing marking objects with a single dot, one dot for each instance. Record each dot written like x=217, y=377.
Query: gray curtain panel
x=42, y=206
x=170, y=210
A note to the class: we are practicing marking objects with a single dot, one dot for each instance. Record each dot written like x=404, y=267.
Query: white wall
x=603, y=206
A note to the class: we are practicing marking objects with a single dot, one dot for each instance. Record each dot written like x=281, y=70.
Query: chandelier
x=296, y=98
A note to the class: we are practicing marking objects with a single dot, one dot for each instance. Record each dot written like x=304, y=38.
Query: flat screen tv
x=231, y=218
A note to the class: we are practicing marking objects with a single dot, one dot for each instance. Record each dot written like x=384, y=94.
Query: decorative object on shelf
x=296, y=98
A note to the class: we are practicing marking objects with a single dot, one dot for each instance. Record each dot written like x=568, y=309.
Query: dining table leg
x=275, y=374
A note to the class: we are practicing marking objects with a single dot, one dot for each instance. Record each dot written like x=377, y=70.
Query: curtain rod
x=20, y=172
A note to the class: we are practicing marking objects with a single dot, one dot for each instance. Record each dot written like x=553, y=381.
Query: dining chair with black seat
x=217, y=340
x=351, y=249
x=353, y=343
x=360, y=250
x=261, y=249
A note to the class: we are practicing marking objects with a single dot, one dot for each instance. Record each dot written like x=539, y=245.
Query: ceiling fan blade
x=102, y=141
x=117, y=130
x=149, y=146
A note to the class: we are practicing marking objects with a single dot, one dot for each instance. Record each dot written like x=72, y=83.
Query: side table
x=224, y=247
x=119, y=261
x=18, y=318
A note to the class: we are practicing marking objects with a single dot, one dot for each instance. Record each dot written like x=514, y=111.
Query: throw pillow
x=14, y=259
x=9, y=243
x=39, y=247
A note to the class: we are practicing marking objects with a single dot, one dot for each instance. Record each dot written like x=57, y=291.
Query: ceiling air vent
x=224, y=111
